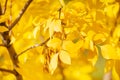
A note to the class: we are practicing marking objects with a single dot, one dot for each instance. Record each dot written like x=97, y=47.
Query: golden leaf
x=65, y=57
x=49, y=25
x=117, y=67
x=35, y=31
x=53, y=63
x=53, y=26
x=62, y=2
x=99, y=38
x=71, y=47
x=110, y=52
x=23, y=58
x=112, y=10
x=116, y=71
x=57, y=26
x=107, y=1
x=54, y=43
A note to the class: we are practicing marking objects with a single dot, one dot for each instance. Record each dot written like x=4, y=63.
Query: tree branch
x=20, y=14
x=6, y=70
x=0, y=9
x=2, y=45
x=14, y=72
x=41, y=44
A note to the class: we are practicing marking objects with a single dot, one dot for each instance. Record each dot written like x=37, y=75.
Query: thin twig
x=1, y=13
x=2, y=45
x=20, y=14
x=5, y=7
x=14, y=72
x=6, y=70
x=41, y=44
x=10, y=19
x=60, y=12
x=0, y=9
x=3, y=24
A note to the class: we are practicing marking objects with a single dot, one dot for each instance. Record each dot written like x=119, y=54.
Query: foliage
x=59, y=39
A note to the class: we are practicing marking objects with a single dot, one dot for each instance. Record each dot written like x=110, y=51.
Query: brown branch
x=3, y=24
x=13, y=55
x=60, y=12
x=5, y=7
x=10, y=48
x=1, y=13
x=41, y=44
x=3, y=41
x=0, y=9
x=20, y=14
x=2, y=45
x=7, y=70
x=18, y=76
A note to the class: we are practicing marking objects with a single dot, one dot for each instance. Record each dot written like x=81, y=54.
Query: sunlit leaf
x=64, y=57
x=62, y=2
x=71, y=48
x=112, y=10
x=110, y=52
x=53, y=63
x=117, y=67
x=54, y=43
x=99, y=38
x=107, y=1
x=115, y=74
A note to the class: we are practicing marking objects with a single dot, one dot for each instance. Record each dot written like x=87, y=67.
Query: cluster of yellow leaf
x=83, y=25
x=70, y=32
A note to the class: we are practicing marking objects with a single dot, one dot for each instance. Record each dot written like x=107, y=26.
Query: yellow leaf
x=62, y=2
x=23, y=58
x=49, y=25
x=117, y=67
x=110, y=52
x=3, y=18
x=53, y=26
x=35, y=31
x=71, y=48
x=13, y=39
x=9, y=77
x=88, y=40
x=65, y=57
x=115, y=70
x=99, y=38
x=112, y=10
x=41, y=59
x=53, y=63
x=3, y=29
x=57, y=26
x=38, y=1
x=54, y=43
x=116, y=33
x=107, y=1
